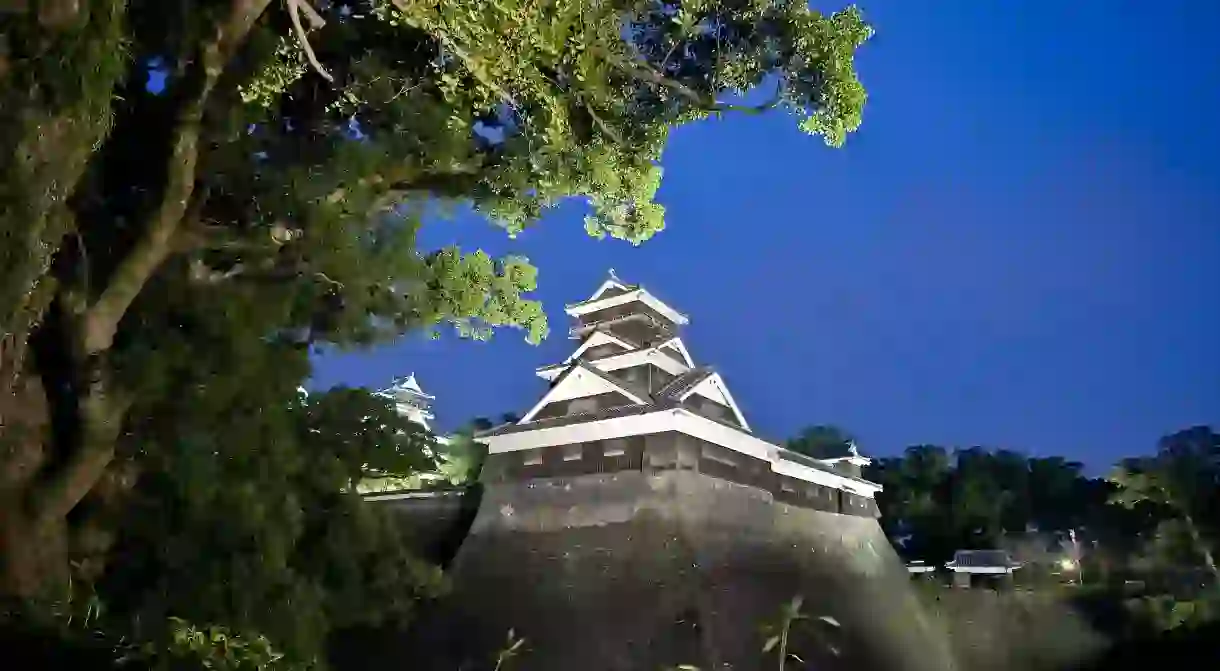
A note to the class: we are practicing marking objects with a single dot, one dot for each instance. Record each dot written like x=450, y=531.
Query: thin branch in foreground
x=294, y=13
x=647, y=72
x=315, y=19
x=601, y=123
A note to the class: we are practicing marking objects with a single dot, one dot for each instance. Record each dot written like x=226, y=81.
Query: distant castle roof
x=981, y=559
x=407, y=384
x=614, y=292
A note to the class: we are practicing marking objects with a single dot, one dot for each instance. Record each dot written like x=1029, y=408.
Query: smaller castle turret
x=411, y=401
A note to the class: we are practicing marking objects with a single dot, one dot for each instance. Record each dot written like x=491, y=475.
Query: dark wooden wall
x=671, y=451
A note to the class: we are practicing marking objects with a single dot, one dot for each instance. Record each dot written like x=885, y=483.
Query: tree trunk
x=56, y=456
x=33, y=555
x=38, y=542
x=28, y=552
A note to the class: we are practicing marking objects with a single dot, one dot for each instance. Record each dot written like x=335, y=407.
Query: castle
x=631, y=398
x=411, y=401
x=631, y=520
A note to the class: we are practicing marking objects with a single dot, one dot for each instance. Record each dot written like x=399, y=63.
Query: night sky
x=1020, y=248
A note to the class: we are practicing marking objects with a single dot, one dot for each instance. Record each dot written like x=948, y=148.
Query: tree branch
x=101, y=412
x=90, y=329
x=776, y=99
x=102, y=318
x=294, y=13
x=200, y=272
x=466, y=59
x=156, y=242
x=648, y=73
x=601, y=123
x=315, y=19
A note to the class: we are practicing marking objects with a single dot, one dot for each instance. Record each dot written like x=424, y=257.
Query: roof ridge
x=600, y=327
x=567, y=370
x=575, y=418
x=627, y=288
x=683, y=382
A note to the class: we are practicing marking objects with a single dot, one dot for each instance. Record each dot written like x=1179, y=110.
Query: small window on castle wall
x=532, y=458
x=572, y=452
x=615, y=447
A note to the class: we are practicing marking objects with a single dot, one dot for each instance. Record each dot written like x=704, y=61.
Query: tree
x=462, y=458
x=1058, y=493
x=256, y=524
x=821, y=441
x=977, y=498
x=915, y=503
x=365, y=435
x=936, y=501
x=1182, y=478
x=193, y=189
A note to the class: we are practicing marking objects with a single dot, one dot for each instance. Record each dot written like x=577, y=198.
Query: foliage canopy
x=193, y=196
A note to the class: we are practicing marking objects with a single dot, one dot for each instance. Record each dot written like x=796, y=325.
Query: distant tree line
x=1153, y=518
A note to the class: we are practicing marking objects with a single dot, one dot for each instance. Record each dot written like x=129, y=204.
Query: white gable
x=579, y=383
x=626, y=359
x=598, y=338
x=411, y=384
x=609, y=284
x=676, y=344
x=714, y=388
x=639, y=358
x=641, y=295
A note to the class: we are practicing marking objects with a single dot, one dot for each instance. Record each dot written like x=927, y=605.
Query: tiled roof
x=979, y=558
x=667, y=329
x=629, y=341
x=649, y=404
x=685, y=382
x=578, y=418
x=634, y=350
x=628, y=288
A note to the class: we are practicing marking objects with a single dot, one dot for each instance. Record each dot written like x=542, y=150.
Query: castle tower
x=412, y=403
x=630, y=397
x=632, y=520
x=410, y=400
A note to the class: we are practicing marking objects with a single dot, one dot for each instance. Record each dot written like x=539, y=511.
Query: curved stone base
x=634, y=571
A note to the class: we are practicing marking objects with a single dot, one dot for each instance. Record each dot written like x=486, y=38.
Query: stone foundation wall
x=635, y=571
x=435, y=523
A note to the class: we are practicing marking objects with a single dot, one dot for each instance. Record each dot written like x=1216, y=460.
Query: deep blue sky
x=1020, y=248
